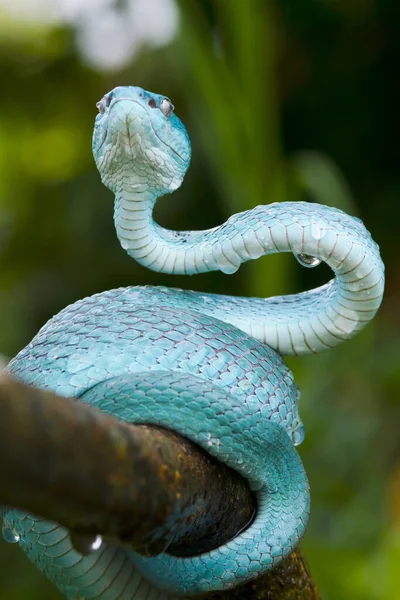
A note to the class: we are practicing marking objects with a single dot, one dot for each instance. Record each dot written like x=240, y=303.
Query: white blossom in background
x=108, y=32
x=108, y=42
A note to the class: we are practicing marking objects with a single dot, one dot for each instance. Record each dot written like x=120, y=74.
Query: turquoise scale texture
x=205, y=365
x=199, y=376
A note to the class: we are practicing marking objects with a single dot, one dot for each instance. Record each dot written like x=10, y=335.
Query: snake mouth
x=127, y=123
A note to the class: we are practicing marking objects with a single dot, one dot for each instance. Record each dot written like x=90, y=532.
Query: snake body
x=205, y=365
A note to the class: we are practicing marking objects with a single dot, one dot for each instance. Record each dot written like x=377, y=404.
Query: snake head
x=137, y=133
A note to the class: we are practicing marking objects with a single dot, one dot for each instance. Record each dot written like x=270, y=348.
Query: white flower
x=108, y=35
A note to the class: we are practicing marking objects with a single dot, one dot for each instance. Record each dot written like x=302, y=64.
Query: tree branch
x=142, y=485
x=289, y=580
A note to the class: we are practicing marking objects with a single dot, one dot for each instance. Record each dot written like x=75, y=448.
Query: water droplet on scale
x=318, y=231
x=306, y=260
x=97, y=543
x=86, y=544
x=10, y=534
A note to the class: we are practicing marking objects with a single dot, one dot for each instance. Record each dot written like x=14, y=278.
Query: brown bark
x=142, y=485
x=94, y=474
x=289, y=580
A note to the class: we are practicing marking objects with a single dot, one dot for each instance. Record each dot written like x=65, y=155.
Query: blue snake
x=207, y=366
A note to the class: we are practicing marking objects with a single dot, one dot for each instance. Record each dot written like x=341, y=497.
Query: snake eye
x=107, y=99
x=166, y=107
x=104, y=103
x=152, y=103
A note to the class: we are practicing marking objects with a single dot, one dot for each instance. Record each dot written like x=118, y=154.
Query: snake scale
x=207, y=366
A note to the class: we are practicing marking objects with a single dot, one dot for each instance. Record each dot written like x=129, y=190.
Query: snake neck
x=159, y=249
x=133, y=209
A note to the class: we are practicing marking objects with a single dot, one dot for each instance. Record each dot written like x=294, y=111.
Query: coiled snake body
x=207, y=366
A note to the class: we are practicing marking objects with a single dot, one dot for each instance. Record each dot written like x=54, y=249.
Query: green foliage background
x=283, y=100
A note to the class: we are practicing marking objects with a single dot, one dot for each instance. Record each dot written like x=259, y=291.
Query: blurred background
x=282, y=100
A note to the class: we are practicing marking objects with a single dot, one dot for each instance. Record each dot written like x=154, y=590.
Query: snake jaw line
x=153, y=142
